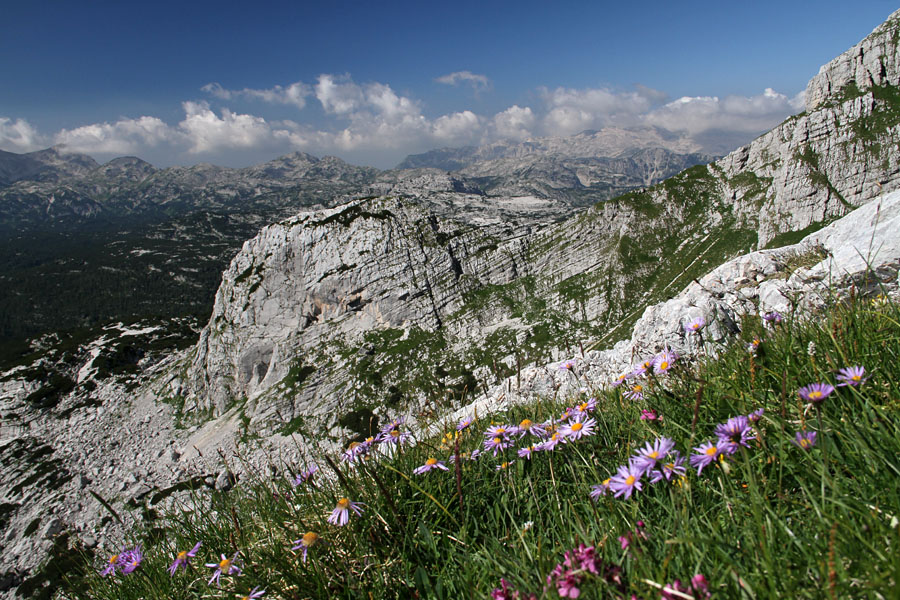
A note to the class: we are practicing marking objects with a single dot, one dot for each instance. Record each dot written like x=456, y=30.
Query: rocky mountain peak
x=875, y=61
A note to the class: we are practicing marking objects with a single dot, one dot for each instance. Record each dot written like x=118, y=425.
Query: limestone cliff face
x=872, y=62
x=383, y=302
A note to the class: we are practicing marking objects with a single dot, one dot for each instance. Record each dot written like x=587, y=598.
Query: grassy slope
x=771, y=521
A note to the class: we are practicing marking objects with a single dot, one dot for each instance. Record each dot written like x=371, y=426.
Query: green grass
x=770, y=521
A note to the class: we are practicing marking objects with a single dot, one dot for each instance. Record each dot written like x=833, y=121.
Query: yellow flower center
x=711, y=450
x=804, y=443
x=654, y=455
x=225, y=565
x=182, y=555
x=431, y=462
x=504, y=465
x=526, y=423
x=501, y=431
x=856, y=378
x=497, y=441
x=583, y=406
x=577, y=426
x=606, y=481
x=370, y=439
x=629, y=480
x=343, y=503
x=664, y=365
x=637, y=388
x=353, y=445
x=113, y=558
x=670, y=466
x=815, y=394
x=394, y=433
x=310, y=538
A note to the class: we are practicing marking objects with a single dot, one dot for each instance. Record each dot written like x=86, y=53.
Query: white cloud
x=294, y=94
x=456, y=128
x=19, y=136
x=514, y=123
x=207, y=132
x=571, y=111
x=338, y=94
x=125, y=136
x=478, y=82
x=744, y=114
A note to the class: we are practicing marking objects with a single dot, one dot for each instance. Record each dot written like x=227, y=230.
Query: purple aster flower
x=527, y=452
x=734, y=433
x=131, y=560
x=357, y=450
x=393, y=436
x=115, y=561
x=805, y=439
x=565, y=416
x=504, y=465
x=600, y=490
x=755, y=416
x=305, y=476
x=497, y=444
x=475, y=454
x=773, y=317
x=753, y=346
x=225, y=566
x=673, y=465
x=664, y=361
x=851, y=376
x=341, y=513
x=586, y=407
x=641, y=369
x=464, y=424
x=529, y=426
x=635, y=392
x=552, y=442
x=815, y=392
x=649, y=415
x=706, y=454
x=254, y=594
x=431, y=463
x=499, y=431
x=182, y=558
x=626, y=480
x=652, y=453
x=619, y=380
x=309, y=539
x=567, y=365
x=578, y=428
x=695, y=325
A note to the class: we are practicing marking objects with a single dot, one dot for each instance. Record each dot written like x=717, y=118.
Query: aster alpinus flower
x=504, y=465
x=527, y=426
x=526, y=452
x=756, y=415
x=114, y=562
x=131, y=560
x=652, y=453
x=672, y=466
x=253, y=594
x=341, y=513
x=626, y=480
x=805, y=439
x=567, y=365
x=225, y=566
x=586, y=407
x=635, y=392
x=706, y=454
x=695, y=325
x=305, y=476
x=619, y=380
x=431, y=463
x=735, y=433
x=182, y=558
x=773, y=317
x=601, y=489
x=851, y=376
x=464, y=424
x=664, y=361
x=815, y=393
x=309, y=539
x=580, y=427
x=497, y=444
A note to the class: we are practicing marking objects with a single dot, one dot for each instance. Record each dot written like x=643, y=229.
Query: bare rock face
x=873, y=62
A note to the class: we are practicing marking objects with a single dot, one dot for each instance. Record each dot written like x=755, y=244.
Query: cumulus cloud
x=338, y=94
x=125, y=136
x=19, y=136
x=294, y=94
x=456, y=128
x=208, y=132
x=514, y=123
x=478, y=82
x=745, y=114
x=571, y=110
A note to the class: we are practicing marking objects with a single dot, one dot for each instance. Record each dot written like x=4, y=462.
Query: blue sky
x=240, y=83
